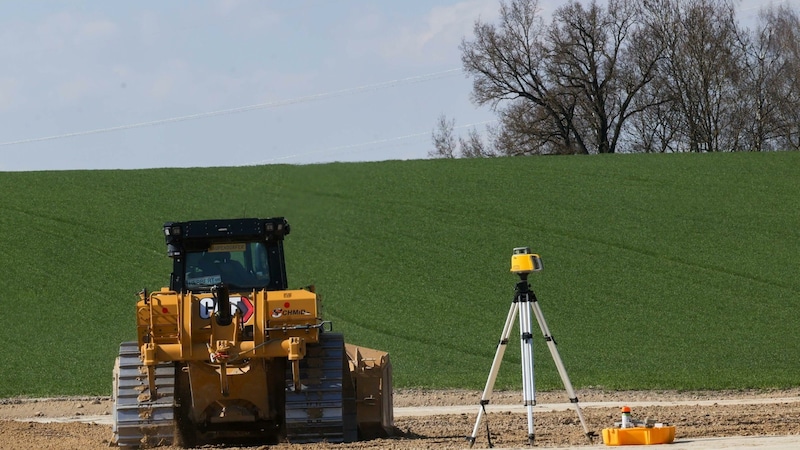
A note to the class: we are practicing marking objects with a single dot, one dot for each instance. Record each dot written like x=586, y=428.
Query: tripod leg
x=498, y=358
x=551, y=344
x=526, y=345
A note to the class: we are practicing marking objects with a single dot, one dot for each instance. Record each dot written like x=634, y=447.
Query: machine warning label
x=228, y=247
x=242, y=304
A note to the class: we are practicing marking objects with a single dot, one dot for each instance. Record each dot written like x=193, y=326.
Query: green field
x=661, y=271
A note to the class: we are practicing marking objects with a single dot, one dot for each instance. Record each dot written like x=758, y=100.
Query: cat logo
x=238, y=303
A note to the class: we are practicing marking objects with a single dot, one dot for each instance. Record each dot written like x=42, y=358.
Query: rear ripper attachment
x=228, y=352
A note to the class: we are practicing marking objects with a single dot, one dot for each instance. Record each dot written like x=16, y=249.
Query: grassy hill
x=661, y=271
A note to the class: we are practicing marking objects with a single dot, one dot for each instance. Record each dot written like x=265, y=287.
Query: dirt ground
x=24, y=422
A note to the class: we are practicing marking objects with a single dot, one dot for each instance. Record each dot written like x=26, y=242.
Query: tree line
x=631, y=76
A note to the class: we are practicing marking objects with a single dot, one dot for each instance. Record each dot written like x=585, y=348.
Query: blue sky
x=170, y=81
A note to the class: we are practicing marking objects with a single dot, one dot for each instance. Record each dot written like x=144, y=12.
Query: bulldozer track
x=323, y=409
x=139, y=420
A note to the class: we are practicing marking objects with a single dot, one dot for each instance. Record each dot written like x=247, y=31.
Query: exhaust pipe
x=223, y=301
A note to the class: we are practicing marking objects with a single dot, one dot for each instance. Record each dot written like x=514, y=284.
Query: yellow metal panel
x=287, y=310
x=244, y=382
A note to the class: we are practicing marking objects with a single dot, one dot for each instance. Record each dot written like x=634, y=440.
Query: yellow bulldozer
x=228, y=352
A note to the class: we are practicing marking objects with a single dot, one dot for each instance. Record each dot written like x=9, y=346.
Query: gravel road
x=766, y=420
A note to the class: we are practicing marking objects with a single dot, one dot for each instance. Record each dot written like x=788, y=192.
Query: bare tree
x=635, y=76
x=473, y=146
x=508, y=63
x=444, y=142
x=772, y=84
x=702, y=73
x=654, y=120
x=569, y=87
x=653, y=129
x=528, y=129
x=761, y=67
x=603, y=54
x=446, y=145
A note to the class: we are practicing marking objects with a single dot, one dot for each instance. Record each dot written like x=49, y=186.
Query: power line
x=240, y=109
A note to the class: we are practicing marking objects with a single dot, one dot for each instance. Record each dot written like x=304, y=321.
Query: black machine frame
x=199, y=235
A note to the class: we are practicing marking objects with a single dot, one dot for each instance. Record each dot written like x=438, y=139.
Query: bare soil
x=715, y=414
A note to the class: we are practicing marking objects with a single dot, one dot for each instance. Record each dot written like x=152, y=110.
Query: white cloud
x=73, y=90
x=149, y=28
x=449, y=24
x=97, y=29
x=122, y=72
x=433, y=37
x=68, y=29
x=246, y=15
x=174, y=76
x=225, y=7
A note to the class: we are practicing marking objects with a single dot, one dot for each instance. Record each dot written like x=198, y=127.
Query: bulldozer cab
x=244, y=254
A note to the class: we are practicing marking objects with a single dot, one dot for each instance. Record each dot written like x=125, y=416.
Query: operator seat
x=208, y=263
x=232, y=271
